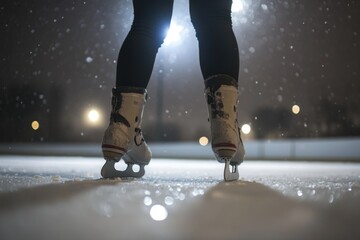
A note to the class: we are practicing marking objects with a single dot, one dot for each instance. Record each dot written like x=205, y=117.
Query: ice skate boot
x=123, y=137
x=221, y=92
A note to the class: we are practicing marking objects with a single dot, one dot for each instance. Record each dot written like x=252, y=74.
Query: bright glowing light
x=158, y=213
x=296, y=109
x=246, y=128
x=35, y=125
x=93, y=116
x=203, y=141
x=237, y=6
x=174, y=33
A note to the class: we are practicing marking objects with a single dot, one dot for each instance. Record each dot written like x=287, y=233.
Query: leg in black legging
x=218, y=48
x=138, y=52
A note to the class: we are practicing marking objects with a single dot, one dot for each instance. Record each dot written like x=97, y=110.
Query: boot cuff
x=216, y=81
x=119, y=90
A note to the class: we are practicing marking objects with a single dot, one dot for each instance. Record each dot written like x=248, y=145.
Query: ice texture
x=177, y=199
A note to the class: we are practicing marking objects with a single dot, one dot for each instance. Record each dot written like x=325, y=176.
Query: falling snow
x=67, y=51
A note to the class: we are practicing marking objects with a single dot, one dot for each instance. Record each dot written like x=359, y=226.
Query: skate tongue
x=230, y=172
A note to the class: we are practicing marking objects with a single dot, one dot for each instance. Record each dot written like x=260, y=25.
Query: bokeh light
x=246, y=129
x=94, y=116
x=174, y=33
x=203, y=141
x=296, y=109
x=35, y=125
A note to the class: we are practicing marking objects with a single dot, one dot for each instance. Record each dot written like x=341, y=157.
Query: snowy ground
x=65, y=198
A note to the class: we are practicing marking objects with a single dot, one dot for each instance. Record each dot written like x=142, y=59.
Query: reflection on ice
x=169, y=200
x=181, y=196
x=197, y=192
x=168, y=182
x=188, y=196
x=106, y=210
x=325, y=183
x=299, y=193
x=147, y=201
x=158, y=213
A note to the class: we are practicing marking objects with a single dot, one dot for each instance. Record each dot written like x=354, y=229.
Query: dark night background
x=58, y=60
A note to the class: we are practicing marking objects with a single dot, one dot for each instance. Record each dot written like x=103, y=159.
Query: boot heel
x=222, y=95
x=224, y=151
x=123, y=137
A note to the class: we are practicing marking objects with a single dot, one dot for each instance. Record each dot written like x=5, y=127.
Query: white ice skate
x=221, y=92
x=123, y=137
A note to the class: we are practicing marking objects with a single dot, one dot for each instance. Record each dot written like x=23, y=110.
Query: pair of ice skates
x=123, y=138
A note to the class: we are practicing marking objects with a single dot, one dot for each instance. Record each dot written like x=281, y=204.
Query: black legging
x=212, y=22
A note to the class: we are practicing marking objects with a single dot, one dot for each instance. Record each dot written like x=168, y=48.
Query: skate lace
x=214, y=99
x=138, y=138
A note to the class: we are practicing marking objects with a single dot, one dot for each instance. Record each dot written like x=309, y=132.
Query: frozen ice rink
x=65, y=198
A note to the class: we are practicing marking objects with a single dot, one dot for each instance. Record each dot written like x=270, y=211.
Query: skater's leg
x=217, y=43
x=219, y=62
x=137, y=54
x=123, y=138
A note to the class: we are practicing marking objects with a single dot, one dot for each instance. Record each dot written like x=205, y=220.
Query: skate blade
x=109, y=171
x=230, y=172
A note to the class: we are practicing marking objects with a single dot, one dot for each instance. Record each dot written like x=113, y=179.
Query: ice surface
x=65, y=198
